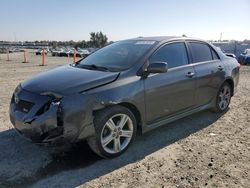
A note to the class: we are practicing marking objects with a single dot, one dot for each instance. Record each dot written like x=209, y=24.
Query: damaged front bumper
x=44, y=119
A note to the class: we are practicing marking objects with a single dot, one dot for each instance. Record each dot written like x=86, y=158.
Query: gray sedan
x=128, y=86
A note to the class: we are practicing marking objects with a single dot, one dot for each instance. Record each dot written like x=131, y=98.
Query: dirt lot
x=203, y=150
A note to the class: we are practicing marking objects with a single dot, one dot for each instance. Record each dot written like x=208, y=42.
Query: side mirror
x=157, y=67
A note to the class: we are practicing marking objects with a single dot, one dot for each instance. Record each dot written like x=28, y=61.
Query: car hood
x=68, y=79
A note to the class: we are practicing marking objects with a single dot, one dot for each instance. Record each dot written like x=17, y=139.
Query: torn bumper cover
x=44, y=119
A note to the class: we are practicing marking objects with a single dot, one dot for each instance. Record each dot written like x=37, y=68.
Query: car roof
x=156, y=38
x=165, y=38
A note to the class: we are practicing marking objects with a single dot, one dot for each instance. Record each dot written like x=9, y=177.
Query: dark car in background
x=244, y=58
x=125, y=87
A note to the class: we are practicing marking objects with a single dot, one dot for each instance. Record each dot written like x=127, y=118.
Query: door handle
x=220, y=67
x=190, y=74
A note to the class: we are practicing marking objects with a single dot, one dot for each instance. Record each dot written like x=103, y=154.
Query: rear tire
x=223, y=98
x=115, y=129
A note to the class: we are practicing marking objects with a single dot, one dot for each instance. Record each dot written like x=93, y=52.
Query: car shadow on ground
x=24, y=164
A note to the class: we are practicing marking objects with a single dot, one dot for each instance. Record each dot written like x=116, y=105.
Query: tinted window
x=200, y=52
x=174, y=54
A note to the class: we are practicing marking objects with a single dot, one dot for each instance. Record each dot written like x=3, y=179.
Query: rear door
x=173, y=91
x=209, y=71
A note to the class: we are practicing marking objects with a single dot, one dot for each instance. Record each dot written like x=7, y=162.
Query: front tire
x=115, y=130
x=223, y=98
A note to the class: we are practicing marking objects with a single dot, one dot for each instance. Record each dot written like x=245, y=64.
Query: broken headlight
x=55, y=101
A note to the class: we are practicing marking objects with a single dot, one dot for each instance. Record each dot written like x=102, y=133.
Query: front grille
x=24, y=106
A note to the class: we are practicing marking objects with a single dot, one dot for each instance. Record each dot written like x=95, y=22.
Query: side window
x=175, y=54
x=200, y=52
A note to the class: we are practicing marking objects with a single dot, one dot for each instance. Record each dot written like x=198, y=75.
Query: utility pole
x=220, y=37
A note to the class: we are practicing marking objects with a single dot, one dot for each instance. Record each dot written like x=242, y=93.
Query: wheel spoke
x=221, y=104
x=227, y=91
x=110, y=124
x=227, y=95
x=224, y=91
x=224, y=105
x=123, y=121
x=107, y=140
x=127, y=133
x=117, y=144
x=221, y=94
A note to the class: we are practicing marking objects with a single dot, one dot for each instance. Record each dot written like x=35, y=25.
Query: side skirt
x=149, y=127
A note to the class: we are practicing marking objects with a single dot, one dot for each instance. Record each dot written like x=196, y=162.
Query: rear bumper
x=58, y=123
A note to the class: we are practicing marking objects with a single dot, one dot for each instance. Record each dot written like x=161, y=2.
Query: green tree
x=98, y=39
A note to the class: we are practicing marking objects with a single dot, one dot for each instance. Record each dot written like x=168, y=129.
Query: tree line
x=97, y=40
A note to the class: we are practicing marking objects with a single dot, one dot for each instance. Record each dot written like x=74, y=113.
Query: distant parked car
x=21, y=50
x=56, y=52
x=92, y=50
x=12, y=50
x=3, y=50
x=40, y=51
x=65, y=53
x=244, y=57
x=137, y=84
x=82, y=53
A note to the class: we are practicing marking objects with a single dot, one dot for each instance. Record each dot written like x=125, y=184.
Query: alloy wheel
x=224, y=97
x=117, y=133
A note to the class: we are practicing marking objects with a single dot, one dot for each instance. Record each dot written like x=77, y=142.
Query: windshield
x=117, y=56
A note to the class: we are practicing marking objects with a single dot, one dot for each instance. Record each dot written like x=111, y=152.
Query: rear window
x=200, y=52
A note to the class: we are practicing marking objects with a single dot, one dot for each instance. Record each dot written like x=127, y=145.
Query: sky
x=29, y=20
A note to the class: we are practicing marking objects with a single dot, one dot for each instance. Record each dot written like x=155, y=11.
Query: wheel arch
x=135, y=111
x=129, y=106
x=231, y=83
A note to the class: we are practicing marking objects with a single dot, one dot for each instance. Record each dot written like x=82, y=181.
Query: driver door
x=172, y=92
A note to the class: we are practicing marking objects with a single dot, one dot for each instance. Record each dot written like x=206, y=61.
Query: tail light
x=238, y=66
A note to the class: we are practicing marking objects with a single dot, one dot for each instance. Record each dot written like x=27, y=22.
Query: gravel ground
x=202, y=150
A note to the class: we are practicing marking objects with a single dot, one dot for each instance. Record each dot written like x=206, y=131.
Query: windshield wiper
x=94, y=67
